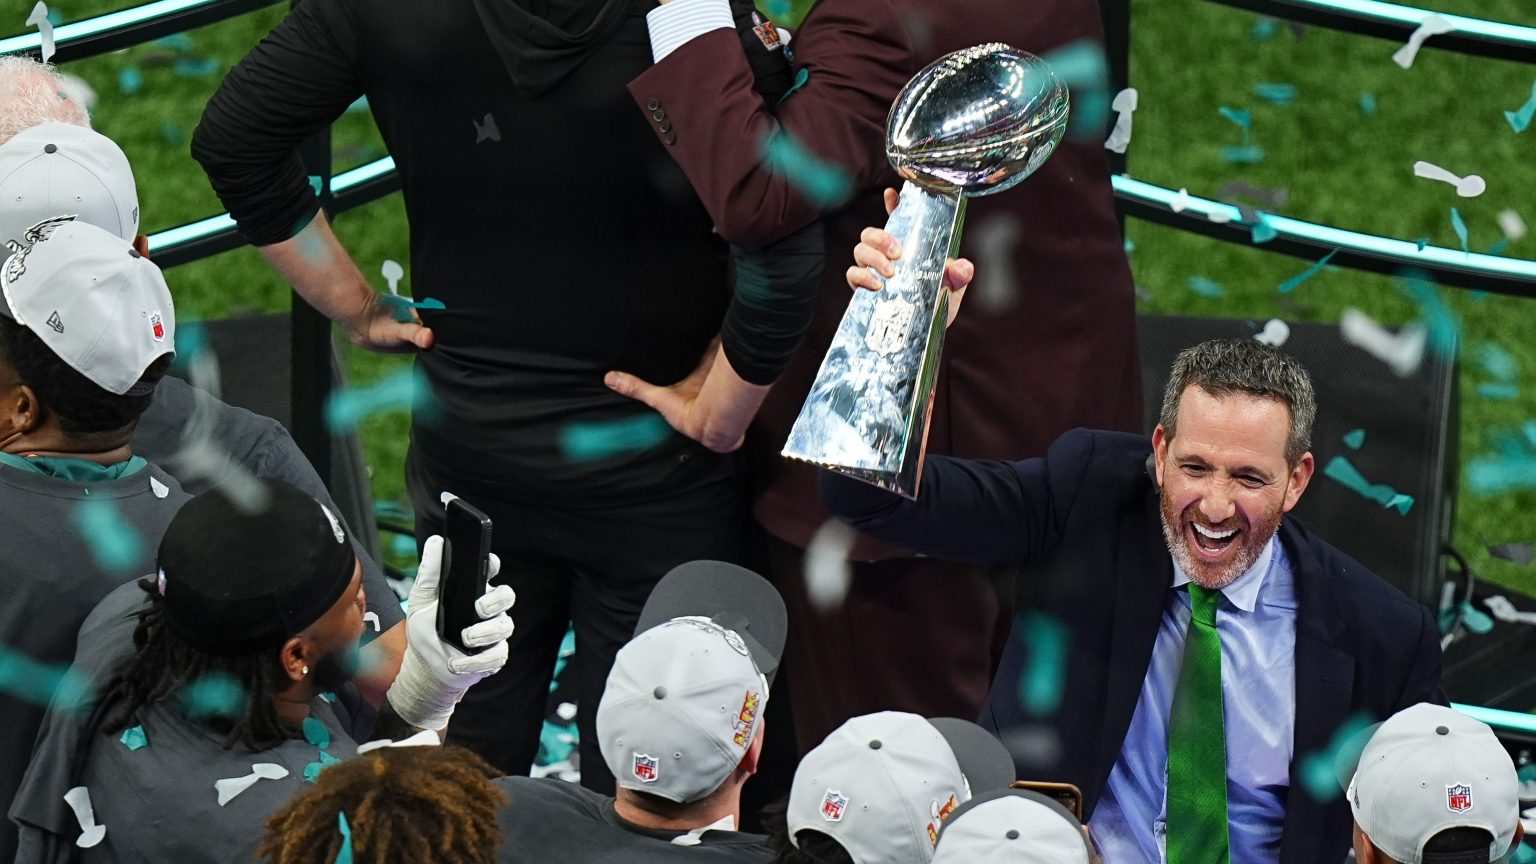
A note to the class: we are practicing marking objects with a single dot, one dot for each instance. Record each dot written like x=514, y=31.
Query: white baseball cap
x=94, y=301
x=58, y=170
x=881, y=785
x=1012, y=826
x=1428, y=768
x=685, y=698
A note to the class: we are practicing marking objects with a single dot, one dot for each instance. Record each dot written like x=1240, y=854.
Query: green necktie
x=1197, y=744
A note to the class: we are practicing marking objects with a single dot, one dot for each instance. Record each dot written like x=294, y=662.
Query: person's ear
x=20, y=411
x=1159, y=452
x=141, y=245
x=1301, y=475
x=294, y=657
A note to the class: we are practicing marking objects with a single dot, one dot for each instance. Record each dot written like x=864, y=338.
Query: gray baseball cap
x=94, y=301
x=685, y=698
x=1012, y=826
x=57, y=171
x=881, y=785
x=1428, y=768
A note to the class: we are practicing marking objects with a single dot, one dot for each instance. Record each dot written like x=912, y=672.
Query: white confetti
x=424, y=738
x=827, y=574
x=1275, y=333
x=372, y=617
x=79, y=800
x=158, y=488
x=39, y=19
x=1500, y=607
x=393, y=273
x=1511, y=224
x=486, y=131
x=566, y=711
x=1432, y=25
x=1180, y=201
x=229, y=787
x=1124, y=105
x=1469, y=186
x=1219, y=216
x=1402, y=351
x=996, y=287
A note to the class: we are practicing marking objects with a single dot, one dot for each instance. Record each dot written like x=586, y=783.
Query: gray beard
x=1178, y=547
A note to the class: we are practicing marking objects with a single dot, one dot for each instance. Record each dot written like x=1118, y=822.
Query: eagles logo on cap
x=645, y=768
x=833, y=805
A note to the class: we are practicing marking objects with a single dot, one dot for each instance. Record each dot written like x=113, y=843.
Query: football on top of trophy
x=977, y=121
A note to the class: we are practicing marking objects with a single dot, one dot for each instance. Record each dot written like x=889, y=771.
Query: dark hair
x=402, y=804
x=1221, y=367
x=815, y=847
x=1459, y=839
x=166, y=668
x=84, y=408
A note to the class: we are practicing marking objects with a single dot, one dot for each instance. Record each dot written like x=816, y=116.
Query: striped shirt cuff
x=673, y=24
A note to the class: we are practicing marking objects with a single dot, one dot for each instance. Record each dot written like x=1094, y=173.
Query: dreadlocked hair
x=233, y=696
x=403, y=805
x=815, y=847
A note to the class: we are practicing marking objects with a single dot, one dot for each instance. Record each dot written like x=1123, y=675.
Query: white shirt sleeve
x=673, y=24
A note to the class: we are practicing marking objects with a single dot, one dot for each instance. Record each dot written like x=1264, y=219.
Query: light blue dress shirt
x=1257, y=624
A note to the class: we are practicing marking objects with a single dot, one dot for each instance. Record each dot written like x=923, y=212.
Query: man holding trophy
x=1051, y=346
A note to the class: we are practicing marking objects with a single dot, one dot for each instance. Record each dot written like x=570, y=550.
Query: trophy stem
x=868, y=410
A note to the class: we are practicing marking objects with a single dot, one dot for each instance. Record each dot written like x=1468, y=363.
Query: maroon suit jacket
x=1047, y=338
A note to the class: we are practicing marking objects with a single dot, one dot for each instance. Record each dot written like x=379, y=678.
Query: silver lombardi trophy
x=973, y=123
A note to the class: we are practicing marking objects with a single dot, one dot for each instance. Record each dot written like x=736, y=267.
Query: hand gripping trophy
x=975, y=122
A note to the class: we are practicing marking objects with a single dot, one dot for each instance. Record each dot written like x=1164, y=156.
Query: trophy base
x=867, y=414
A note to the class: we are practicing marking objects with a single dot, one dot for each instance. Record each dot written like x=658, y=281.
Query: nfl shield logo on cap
x=832, y=806
x=645, y=768
x=1458, y=798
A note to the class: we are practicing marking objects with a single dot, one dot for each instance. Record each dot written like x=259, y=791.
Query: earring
x=304, y=671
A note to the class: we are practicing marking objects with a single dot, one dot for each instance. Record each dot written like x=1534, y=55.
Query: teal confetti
x=55, y=16
x=1245, y=155
x=1421, y=243
x=115, y=545
x=347, y=407
x=801, y=77
x=1205, y=287
x=401, y=307
x=213, y=695
x=556, y=742
x=172, y=134
x=1527, y=773
x=1130, y=246
x=1354, y=439
x=778, y=10
x=1241, y=116
x=130, y=80
x=316, y=183
x=1498, y=247
x=1264, y=29
x=585, y=442
x=316, y=733
x=1475, y=619
x=179, y=42
x=1290, y=284
x=1496, y=362
x=1368, y=104
x=1340, y=470
x=38, y=683
x=1524, y=854
x=312, y=771
x=1439, y=321
x=1081, y=66
x=1460, y=227
x=344, y=855
x=195, y=67
x=1263, y=232
x=824, y=183
x=1520, y=118
x=1276, y=94
x=328, y=760
x=1320, y=771
x=360, y=106
x=1046, y=643
x=1498, y=392
x=134, y=739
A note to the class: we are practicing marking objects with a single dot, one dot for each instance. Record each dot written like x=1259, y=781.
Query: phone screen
x=466, y=567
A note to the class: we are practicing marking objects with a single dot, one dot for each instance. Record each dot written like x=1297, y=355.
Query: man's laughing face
x=1225, y=482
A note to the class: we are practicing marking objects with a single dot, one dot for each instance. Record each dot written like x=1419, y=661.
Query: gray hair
x=1221, y=367
x=32, y=93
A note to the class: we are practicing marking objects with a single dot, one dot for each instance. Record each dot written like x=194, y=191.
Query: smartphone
x=466, y=570
x=1065, y=794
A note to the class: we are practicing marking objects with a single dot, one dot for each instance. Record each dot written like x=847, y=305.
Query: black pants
x=591, y=567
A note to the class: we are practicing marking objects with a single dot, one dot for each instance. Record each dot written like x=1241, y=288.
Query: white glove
x=434, y=674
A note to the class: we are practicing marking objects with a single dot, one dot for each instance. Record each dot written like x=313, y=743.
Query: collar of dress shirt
x=1244, y=592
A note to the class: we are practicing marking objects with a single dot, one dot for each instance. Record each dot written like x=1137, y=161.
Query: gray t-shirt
x=158, y=801
x=259, y=444
x=547, y=821
x=50, y=538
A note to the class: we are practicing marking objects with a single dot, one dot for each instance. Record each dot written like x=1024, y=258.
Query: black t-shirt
x=555, y=229
x=549, y=821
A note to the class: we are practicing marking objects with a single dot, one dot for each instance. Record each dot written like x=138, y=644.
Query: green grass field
x=1190, y=57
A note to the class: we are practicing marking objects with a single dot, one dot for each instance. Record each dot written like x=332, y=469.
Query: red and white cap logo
x=1458, y=798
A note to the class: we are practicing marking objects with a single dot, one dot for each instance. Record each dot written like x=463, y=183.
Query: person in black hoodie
x=520, y=152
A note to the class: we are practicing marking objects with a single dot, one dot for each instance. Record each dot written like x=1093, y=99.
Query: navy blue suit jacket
x=1083, y=524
